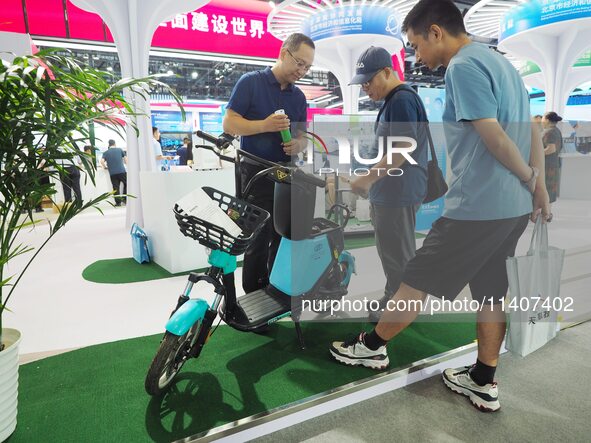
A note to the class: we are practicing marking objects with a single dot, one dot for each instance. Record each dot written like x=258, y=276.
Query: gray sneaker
x=355, y=353
x=485, y=398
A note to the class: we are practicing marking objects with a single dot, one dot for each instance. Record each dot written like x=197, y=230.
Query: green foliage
x=46, y=105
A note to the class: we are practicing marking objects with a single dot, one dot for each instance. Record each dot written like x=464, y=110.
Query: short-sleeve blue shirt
x=403, y=114
x=183, y=153
x=482, y=84
x=114, y=158
x=257, y=95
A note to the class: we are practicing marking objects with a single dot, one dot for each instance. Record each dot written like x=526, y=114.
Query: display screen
x=171, y=121
x=171, y=142
x=12, y=18
x=211, y=122
x=84, y=25
x=46, y=17
x=434, y=101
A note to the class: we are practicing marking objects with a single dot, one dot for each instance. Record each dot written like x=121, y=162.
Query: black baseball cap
x=369, y=63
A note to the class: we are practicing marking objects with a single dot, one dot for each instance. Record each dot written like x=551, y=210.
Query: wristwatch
x=531, y=183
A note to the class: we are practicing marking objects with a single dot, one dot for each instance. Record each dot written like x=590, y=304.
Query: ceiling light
x=194, y=74
x=317, y=99
x=327, y=99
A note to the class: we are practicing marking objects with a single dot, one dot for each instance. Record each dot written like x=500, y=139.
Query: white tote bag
x=534, y=294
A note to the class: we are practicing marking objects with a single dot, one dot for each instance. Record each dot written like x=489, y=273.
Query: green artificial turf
x=96, y=394
x=127, y=270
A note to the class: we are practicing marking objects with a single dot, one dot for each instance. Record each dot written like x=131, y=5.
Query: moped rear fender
x=186, y=316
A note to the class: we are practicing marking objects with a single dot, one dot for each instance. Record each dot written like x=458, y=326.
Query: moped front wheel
x=172, y=354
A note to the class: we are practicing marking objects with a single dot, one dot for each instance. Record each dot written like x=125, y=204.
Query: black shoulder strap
x=431, y=146
x=405, y=87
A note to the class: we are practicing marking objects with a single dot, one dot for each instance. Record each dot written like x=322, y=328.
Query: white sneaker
x=485, y=398
x=355, y=353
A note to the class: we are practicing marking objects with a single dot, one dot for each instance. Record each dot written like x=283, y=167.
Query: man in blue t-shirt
x=496, y=184
x=395, y=199
x=113, y=159
x=185, y=153
x=251, y=114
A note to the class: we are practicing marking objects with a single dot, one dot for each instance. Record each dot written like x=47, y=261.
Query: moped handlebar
x=277, y=169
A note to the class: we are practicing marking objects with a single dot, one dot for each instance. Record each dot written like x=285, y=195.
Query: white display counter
x=102, y=184
x=575, y=180
x=160, y=190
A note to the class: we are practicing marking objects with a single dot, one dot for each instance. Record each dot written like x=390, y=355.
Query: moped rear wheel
x=172, y=354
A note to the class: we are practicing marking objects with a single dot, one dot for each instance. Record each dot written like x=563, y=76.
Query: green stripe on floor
x=97, y=393
x=127, y=270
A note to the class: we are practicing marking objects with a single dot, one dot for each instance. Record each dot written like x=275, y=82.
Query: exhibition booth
x=97, y=317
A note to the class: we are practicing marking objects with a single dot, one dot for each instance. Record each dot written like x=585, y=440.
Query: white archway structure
x=550, y=33
x=133, y=23
x=576, y=75
x=337, y=46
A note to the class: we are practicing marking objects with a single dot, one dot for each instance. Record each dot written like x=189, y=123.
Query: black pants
x=70, y=179
x=116, y=180
x=42, y=181
x=260, y=255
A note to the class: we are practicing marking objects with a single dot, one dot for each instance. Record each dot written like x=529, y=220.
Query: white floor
x=55, y=308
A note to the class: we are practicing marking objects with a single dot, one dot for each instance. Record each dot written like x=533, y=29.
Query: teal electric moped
x=311, y=263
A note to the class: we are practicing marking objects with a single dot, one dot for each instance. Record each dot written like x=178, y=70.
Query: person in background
x=90, y=151
x=185, y=153
x=70, y=178
x=43, y=180
x=158, y=149
x=537, y=119
x=583, y=137
x=113, y=159
x=251, y=114
x=552, y=139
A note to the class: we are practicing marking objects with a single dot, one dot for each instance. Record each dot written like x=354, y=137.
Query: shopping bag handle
x=137, y=231
x=539, y=238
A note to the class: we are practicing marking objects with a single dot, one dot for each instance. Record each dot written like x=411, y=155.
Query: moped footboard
x=186, y=316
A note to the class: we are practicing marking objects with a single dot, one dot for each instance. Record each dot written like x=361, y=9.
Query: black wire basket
x=248, y=217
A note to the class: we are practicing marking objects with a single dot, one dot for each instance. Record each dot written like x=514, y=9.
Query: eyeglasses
x=299, y=63
x=367, y=83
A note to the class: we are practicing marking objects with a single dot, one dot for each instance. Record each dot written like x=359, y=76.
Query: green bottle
x=285, y=134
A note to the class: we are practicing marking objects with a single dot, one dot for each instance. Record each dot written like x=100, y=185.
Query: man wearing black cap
x=394, y=200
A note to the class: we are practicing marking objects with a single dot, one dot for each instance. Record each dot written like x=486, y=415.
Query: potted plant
x=47, y=102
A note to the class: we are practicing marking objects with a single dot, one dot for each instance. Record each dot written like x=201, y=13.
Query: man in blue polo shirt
x=394, y=200
x=496, y=184
x=251, y=114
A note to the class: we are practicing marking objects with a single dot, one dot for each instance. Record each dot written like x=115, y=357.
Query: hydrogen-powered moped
x=311, y=263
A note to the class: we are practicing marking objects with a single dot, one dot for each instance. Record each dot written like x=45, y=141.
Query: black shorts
x=460, y=252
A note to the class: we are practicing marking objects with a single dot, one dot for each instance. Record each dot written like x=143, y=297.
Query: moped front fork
x=188, y=311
